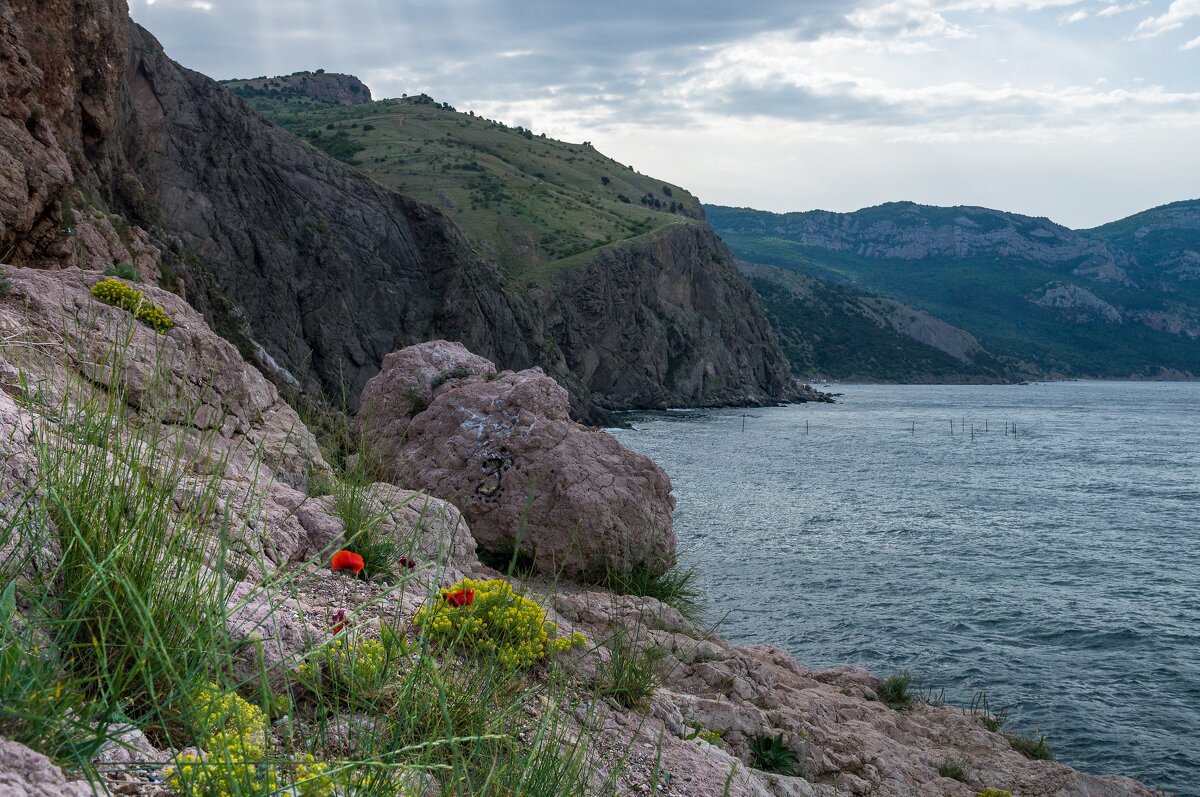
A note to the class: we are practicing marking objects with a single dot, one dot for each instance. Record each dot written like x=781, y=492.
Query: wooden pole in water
x=743, y=423
x=806, y=427
x=985, y=425
x=952, y=428
x=914, y=427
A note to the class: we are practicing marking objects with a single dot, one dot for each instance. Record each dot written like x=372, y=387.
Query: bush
x=358, y=668
x=6, y=285
x=994, y=793
x=894, y=692
x=488, y=617
x=770, y=754
x=1037, y=749
x=953, y=769
x=459, y=372
x=982, y=709
x=125, y=271
x=117, y=293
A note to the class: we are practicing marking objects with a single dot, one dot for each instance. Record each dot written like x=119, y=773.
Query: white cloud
x=1179, y=12
x=1116, y=8
x=1191, y=45
x=1078, y=15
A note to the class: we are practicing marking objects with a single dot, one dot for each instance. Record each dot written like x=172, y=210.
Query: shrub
x=458, y=372
x=770, y=754
x=954, y=769
x=1037, y=749
x=125, y=271
x=117, y=293
x=894, y=692
x=488, y=617
x=994, y=793
x=358, y=668
x=6, y=285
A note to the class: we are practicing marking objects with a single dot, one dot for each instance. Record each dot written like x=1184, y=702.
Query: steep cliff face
x=666, y=320
x=318, y=270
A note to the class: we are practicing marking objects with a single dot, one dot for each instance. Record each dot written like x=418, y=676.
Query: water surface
x=1057, y=568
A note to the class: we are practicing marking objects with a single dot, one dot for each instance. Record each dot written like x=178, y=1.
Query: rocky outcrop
x=666, y=320
x=25, y=773
x=331, y=87
x=1076, y=303
x=503, y=449
x=846, y=741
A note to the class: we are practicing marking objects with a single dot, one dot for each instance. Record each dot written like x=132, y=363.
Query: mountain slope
x=1113, y=302
x=636, y=291
x=830, y=331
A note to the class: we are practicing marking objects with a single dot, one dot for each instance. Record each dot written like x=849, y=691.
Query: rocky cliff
x=315, y=271
x=666, y=320
x=322, y=86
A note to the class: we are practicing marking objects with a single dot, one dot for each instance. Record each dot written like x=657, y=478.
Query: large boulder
x=499, y=445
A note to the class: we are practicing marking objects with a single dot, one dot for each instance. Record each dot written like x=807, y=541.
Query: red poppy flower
x=347, y=560
x=463, y=597
x=339, y=621
x=404, y=561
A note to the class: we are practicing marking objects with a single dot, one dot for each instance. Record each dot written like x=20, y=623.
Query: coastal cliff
x=315, y=271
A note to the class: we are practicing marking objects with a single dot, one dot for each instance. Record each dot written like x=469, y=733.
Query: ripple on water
x=1059, y=570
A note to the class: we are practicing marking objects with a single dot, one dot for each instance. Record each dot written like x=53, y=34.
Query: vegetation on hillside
x=538, y=203
x=991, y=297
x=831, y=331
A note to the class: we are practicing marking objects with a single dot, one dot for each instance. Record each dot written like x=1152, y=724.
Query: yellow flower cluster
x=236, y=743
x=993, y=793
x=497, y=622
x=120, y=294
x=353, y=664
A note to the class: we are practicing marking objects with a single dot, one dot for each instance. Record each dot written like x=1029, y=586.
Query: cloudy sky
x=1080, y=110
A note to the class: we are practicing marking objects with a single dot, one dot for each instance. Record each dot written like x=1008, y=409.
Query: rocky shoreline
x=473, y=441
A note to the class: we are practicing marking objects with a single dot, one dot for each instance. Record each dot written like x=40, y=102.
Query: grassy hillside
x=992, y=295
x=539, y=204
x=831, y=331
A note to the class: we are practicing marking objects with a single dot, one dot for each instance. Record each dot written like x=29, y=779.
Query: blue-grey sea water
x=1058, y=569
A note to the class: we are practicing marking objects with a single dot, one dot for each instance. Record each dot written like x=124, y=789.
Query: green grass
x=982, y=709
x=1037, y=749
x=674, y=586
x=895, y=692
x=544, y=206
x=629, y=675
x=771, y=754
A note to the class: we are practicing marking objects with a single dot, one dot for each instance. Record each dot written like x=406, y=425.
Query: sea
x=1036, y=543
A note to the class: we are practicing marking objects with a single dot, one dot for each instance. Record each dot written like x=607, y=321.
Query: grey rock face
x=667, y=321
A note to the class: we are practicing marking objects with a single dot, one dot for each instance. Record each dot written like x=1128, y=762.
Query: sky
x=1083, y=111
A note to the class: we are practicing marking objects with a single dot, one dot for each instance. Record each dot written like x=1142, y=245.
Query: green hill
x=833, y=332
x=1119, y=301
x=536, y=203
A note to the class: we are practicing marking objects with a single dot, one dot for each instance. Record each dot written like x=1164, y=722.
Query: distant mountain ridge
x=1121, y=300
